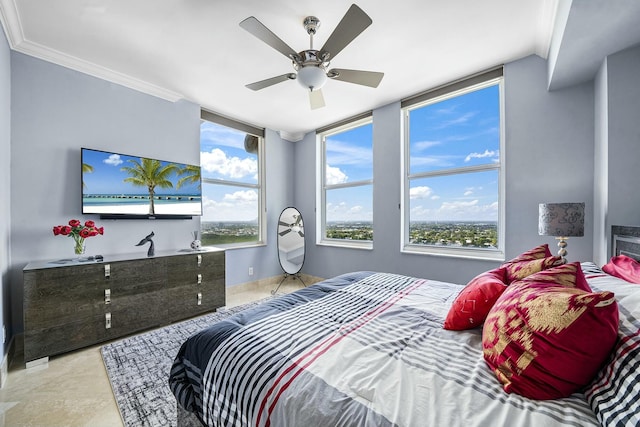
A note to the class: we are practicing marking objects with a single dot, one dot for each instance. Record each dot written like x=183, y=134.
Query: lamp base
x=562, y=244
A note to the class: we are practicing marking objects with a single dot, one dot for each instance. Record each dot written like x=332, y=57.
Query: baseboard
x=4, y=366
x=269, y=282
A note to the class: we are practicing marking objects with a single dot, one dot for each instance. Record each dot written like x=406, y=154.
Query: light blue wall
x=601, y=166
x=549, y=155
x=55, y=112
x=279, y=195
x=549, y=158
x=5, y=189
x=619, y=107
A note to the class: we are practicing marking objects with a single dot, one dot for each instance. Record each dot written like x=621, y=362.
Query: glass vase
x=79, y=247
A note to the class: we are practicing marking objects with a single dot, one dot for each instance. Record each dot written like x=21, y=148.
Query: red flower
x=77, y=230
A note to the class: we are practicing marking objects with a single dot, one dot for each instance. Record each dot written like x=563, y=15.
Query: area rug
x=138, y=369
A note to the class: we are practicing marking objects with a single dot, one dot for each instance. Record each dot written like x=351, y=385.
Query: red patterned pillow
x=623, y=267
x=472, y=305
x=538, y=252
x=546, y=336
x=520, y=270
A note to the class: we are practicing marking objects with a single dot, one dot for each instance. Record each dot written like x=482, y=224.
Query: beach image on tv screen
x=121, y=184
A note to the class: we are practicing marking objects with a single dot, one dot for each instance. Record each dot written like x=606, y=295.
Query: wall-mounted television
x=117, y=186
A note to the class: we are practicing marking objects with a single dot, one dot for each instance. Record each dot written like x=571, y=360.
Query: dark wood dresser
x=70, y=305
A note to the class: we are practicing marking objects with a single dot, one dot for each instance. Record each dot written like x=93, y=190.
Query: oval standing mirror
x=290, y=244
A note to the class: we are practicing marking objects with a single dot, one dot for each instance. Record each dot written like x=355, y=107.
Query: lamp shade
x=561, y=219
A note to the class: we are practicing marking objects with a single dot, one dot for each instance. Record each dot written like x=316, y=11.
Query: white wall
x=5, y=189
x=549, y=158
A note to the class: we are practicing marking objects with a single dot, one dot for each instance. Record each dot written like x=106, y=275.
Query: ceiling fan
x=295, y=226
x=312, y=65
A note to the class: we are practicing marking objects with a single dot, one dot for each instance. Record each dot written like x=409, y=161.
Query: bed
x=369, y=349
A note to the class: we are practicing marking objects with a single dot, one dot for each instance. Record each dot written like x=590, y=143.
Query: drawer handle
x=107, y=321
x=107, y=270
x=199, y=260
x=199, y=279
x=199, y=298
x=107, y=296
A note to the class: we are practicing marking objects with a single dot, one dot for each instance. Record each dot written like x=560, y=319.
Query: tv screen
x=119, y=185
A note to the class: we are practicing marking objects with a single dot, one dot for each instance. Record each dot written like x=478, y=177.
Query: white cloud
x=486, y=153
x=113, y=160
x=246, y=196
x=335, y=176
x=424, y=145
x=344, y=153
x=471, y=210
x=345, y=212
x=421, y=192
x=238, y=206
x=468, y=192
x=216, y=161
x=457, y=121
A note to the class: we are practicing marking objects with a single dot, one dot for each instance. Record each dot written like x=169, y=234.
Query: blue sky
x=453, y=133
x=108, y=178
x=350, y=159
x=457, y=132
x=222, y=156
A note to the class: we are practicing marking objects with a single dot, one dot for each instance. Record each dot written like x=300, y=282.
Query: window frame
x=474, y=83
x=321, y=194
x=260, y=186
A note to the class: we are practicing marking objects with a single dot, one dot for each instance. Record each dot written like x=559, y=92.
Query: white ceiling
x=195, y=49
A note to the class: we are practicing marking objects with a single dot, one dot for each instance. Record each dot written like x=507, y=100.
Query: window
x=346, y=191
x=453, y=199
x=232, y=182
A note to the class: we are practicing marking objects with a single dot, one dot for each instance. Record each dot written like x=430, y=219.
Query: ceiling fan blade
x=284, y=224
x=316, y=100
x=365, y=78
x=352, y=24
x=282, y=233
x=270, y=82
x=301, y=233
x=257, y=28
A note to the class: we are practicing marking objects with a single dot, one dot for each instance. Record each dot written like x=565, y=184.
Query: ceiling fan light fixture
x=312, y=77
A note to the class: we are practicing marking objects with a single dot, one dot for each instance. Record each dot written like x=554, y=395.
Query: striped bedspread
x=364, y=349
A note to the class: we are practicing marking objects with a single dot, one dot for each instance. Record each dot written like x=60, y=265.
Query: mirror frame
x=289, y=218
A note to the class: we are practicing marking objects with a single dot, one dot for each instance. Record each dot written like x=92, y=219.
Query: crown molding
x=291, y=136
x=11, y=22
x=15, y=36
x=546, y=27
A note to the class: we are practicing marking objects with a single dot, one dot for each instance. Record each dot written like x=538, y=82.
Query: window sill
x=350, y=244
x=467, y=253
x=231, y=246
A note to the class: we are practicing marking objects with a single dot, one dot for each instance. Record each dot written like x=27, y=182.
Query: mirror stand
x=286, y=276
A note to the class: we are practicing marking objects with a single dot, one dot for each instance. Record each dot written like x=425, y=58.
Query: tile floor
x=73, y=389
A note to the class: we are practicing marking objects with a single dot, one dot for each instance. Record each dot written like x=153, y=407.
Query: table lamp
x=561, y=220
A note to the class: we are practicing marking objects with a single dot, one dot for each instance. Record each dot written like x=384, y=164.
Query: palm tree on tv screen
x=151, y=174
x=191, y=175
x=86, y=168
